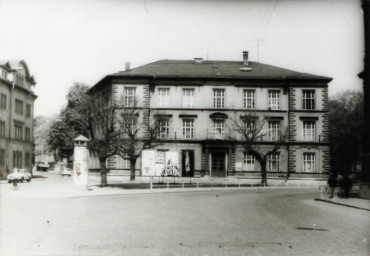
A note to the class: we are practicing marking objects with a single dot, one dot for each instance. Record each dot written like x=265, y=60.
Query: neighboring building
x=198, y=101
x=16, y=116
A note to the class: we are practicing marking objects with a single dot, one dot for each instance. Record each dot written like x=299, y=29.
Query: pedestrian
x=347, y=185
x=15, y=179
x=332, y=182
x=15, y=184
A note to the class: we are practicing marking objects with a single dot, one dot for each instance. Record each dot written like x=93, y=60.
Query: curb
x=352, y=206
x=168, y=191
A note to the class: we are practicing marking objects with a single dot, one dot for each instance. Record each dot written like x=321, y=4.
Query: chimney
x=245, y=58
x=127, y=66
x=198, y=60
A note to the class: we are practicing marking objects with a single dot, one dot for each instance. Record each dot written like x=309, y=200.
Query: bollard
x=183, y=185
x=197, y=184
x=151, y=184
x=168, y=185
x=239, y=183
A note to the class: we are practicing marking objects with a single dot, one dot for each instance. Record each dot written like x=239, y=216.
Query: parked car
x=43, y=166
x=19, y=175
x=66, y=171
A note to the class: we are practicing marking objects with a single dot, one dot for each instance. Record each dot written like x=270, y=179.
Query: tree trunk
x=103, y=172
x=132, y=168
x=264, y=173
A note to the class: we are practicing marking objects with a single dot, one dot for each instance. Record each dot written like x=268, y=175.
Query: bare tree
x=100, y=118
x=140, y=131
x=252, y=131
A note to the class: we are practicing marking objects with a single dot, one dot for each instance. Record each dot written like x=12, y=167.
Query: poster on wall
x=160, y=157
x=160, y=163
x=148, y=160
x=170, y=167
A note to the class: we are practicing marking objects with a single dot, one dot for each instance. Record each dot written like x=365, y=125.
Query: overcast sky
x=83, y=40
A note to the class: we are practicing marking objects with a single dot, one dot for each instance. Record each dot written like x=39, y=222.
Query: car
x=43, y=166
x=66, y=171
x=19, y=175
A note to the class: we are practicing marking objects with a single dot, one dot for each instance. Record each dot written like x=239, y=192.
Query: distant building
x=199, y=99
x=16, y=116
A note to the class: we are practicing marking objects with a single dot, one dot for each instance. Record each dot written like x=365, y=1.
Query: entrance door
x=218, y=164
x=188, y=163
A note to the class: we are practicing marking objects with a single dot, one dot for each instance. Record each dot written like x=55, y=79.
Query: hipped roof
x=214, y=70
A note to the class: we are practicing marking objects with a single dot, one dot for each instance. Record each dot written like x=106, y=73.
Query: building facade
x=200, y=102
x=16, y=116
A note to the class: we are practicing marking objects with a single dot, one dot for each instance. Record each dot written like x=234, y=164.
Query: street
x=281, y=221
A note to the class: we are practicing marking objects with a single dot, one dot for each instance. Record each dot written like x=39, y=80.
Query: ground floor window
x=17, y=159
x=249, y=162
x=126, y=162
x=309, y=162
x=273, y=162
x=27, y=160
x=118, y=162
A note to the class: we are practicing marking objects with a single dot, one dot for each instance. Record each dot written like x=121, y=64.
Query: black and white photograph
x=184, y=127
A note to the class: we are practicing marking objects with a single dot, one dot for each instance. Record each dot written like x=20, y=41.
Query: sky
x=84, y=40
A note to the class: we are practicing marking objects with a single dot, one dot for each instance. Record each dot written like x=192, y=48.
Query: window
x=308, y=99
x=129, y=123
x=2, y=129
x=308, y=130
x=249, y=162
x=28, y=110
x=3, y=101
x=163, y=128
x=126, y=162
x=18, y=131
x=19, y=107
x=273, y=162
x=249, y=125
x=27, y=160
x=274, y=100
x=188, y=128
x=130, y=95
x=249, y=99
x=188, y=98
x=219, y=129
x=4, y=74
x=19, y=80
x=309, y=162
x=274, y=130
x=164, y=96
x=219, y=98
x=28, y=134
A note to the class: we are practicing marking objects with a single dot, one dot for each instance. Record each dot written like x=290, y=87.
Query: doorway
x=187, y=163
x=218, y=164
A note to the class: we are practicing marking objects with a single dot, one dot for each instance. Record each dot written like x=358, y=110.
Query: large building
x=16, y=116
x=199, y=101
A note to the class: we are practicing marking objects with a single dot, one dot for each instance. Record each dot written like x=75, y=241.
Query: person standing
x=332, y=182
x=347, y=185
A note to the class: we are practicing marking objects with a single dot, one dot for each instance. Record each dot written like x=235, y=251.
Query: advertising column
x=80, y=163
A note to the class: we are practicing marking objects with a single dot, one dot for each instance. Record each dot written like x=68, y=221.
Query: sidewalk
x=357, y=203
